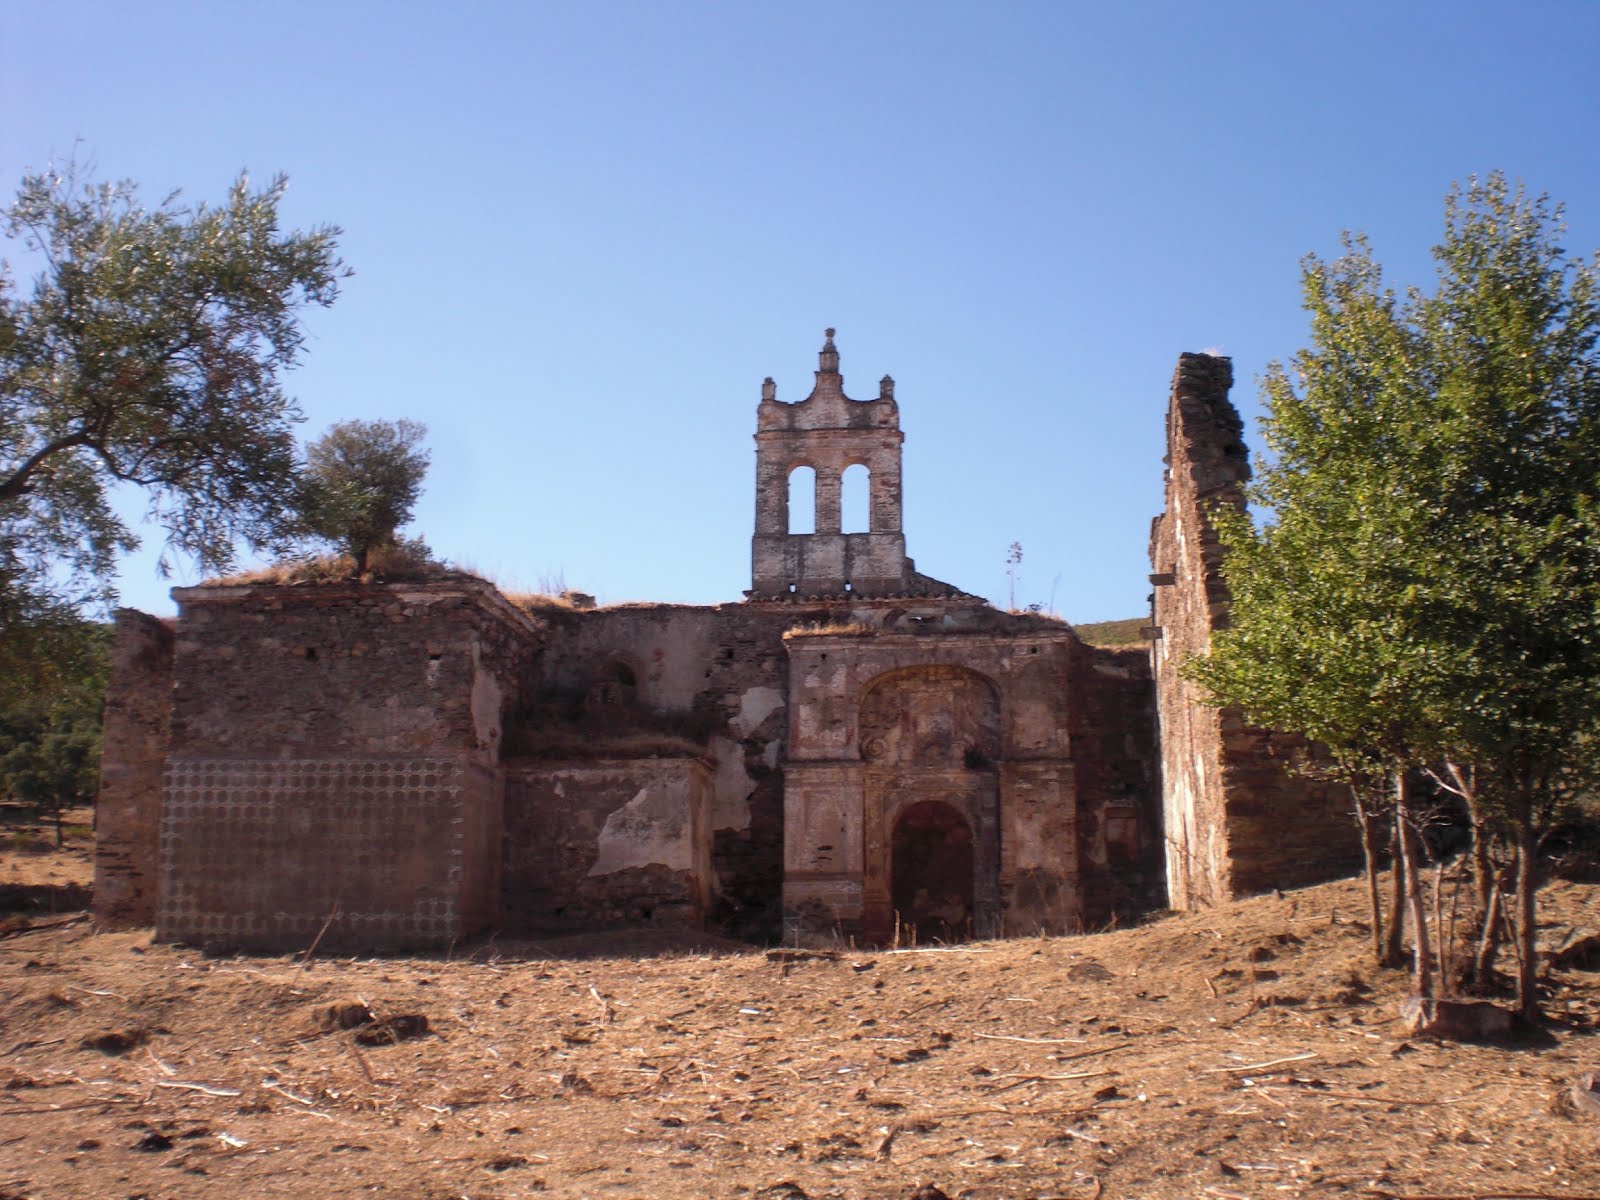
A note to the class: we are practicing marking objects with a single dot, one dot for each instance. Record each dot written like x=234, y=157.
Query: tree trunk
x=1422, y=958
x=1394, y=947
x=1444, y=946
x=1526, y=902
x=1368, y=821
x=1483, y=872
x=1489, y=941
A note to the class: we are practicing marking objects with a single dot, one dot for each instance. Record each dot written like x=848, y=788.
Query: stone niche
x=599, y=843
x=333, y=762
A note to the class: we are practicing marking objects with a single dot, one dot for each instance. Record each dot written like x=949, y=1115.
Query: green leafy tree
x=148, y=351
x=361, y=481
x=1514, y=339
x=50, y=739
x=1426, y=588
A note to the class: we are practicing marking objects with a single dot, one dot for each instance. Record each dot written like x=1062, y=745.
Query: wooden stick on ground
x=1271, y=1062
x=311, y=950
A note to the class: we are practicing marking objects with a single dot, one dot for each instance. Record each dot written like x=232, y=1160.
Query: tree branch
x=16, y=484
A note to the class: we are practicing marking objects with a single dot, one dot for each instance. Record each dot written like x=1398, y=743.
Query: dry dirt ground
x=1239, y=1053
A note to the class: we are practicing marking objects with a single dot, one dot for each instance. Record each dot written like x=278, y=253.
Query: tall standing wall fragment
x=1237, y=821
x=134, y=748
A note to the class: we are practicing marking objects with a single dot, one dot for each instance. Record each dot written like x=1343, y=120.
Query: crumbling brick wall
x=1121, y=848
x=1236, y=819
x=603, y=842
x=133, y=754
x=712, y=677
x=333, y=758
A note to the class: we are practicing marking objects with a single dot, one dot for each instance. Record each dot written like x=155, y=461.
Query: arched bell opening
x=931, y=874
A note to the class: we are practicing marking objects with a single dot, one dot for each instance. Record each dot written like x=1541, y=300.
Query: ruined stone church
x=854, y=750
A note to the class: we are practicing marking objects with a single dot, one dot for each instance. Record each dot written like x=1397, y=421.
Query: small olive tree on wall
x=361, y=481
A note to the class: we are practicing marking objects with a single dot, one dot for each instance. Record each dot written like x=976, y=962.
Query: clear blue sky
x=584, y=232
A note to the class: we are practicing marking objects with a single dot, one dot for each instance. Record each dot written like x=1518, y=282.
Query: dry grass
x=538, y=602
x=1244, y=1052
x=837, y=629
x=389, y=564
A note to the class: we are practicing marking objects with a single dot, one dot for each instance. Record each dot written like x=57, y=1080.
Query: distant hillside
x=1114, y=633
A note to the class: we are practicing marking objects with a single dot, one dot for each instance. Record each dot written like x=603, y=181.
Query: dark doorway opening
x=931, y=873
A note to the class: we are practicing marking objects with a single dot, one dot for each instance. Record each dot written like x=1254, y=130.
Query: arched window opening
x=616, y=687
x=855, y=499
x=803, y=500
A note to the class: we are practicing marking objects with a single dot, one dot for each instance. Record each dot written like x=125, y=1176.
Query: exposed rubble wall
x=650, y=679
x=1236, y=820
x=597, y=843
x=134, y=750
x=1121, y=850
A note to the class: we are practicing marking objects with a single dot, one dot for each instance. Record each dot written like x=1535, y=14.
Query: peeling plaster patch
x=755, y=706
x=1113, y=670
x=1035, y=724
x=821, y=679
x=653, y=827
x=730, y=794
x=486, y=700
x=1031, y=851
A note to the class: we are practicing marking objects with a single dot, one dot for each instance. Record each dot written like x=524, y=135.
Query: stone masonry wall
x=1121, y=851
x=334, y=752
x=358, y=670
x=1236, y=820
x=606, y=842
x=717, y=678
x=134, y=748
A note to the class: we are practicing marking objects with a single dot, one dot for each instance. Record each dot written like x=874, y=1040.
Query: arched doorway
x=931, y=873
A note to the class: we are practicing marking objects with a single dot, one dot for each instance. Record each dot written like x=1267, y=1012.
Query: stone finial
x=886, y=388
x=828, y=360
x=769, y=390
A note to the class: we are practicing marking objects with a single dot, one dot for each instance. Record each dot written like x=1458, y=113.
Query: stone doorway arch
x=931, y=873
x=931, y=739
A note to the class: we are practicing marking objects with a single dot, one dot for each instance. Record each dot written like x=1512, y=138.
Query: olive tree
x=361, y=481
x=147, y=350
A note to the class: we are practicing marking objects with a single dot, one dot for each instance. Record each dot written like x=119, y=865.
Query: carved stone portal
x=931, y=739
x=941, y=717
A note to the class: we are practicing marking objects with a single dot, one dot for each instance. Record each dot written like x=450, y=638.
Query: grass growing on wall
x=1113, y=633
